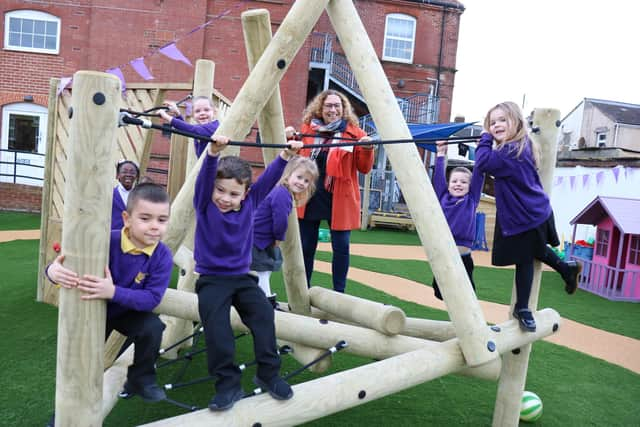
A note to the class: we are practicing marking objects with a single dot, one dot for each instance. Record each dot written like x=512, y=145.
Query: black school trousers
x=216, y=295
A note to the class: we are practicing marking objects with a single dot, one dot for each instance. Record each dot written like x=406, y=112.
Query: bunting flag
x=139, y=66
x=116, y=71
x=64, y=82
x=585, y=179
x=600, y=177
x=572, y=181
x=172, y=51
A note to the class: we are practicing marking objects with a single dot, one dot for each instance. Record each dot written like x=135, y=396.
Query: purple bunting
x=616, y=172
x=599, y=177
x=172, y=51
x=64, y=82
x=572, y=181
x=140, y=68
x=585, y=179
x=116, y=71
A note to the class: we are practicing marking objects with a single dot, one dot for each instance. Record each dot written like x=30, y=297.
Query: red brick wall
x=17, y=197
x=99, y=34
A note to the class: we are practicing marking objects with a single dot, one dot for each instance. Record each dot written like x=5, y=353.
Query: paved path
x=614, y=348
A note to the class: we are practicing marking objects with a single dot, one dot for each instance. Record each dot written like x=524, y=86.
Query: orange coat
x=343, y=166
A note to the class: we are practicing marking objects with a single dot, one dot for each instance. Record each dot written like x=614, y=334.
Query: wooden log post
x=85, y=242
x=176, y=328
x=47, y=185
x=251, y=99
x=514, y=372
x=386, y=319
x=256, y=26
x=433, y=330
x=366, y=193
x=359, y=385
x=313, y=333
x=462, y=304
x=114, y=379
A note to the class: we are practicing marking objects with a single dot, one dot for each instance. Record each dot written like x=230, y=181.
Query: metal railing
x=19, y=163
x=417, y=108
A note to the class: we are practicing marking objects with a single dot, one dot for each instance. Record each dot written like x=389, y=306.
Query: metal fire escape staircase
x=417, y=108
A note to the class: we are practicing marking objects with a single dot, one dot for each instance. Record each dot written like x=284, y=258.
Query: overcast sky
x=553, y=53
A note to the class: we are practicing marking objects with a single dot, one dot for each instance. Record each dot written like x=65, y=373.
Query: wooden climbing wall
x=133, y=143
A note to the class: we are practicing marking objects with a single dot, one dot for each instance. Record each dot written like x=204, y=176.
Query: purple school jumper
x=272, y=217
x=140, y=280
x=117, y=207
x=521, y=203
x=223, y=241
x=206, y=130
x=460, y=212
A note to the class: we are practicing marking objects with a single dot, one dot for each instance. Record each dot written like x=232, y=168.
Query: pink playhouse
x=613, y=271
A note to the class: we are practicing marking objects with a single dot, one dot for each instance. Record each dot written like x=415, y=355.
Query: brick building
x=416, y=41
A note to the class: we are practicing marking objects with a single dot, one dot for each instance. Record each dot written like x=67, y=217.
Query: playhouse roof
x=623, y=212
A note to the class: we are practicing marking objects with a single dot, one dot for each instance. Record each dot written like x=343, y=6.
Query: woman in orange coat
x=337, y=198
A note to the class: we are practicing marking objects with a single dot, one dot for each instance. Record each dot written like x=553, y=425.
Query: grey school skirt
x=524, y=247
x=268, y=259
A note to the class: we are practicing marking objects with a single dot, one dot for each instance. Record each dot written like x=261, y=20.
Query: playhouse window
x=634, y=250
x=602, y=236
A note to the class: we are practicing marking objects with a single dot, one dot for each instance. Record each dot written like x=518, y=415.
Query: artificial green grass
x=494, y=285
x=19, y=221
x=577, y=390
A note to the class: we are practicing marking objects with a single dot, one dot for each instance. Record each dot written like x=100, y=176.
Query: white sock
x=263, y=282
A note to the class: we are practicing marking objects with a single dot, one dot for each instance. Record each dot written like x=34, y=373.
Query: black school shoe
x=226, y=399
x=149, y=392
x=277, y=387
x=571, y=282
x=525, y=318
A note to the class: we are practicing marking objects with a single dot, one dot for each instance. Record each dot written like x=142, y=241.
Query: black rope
x=127, y=119
x=150, y=111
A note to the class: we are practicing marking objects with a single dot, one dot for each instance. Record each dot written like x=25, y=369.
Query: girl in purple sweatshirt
x=204, y=113
x=524, y=219
x=296, y=186
x=459, y=199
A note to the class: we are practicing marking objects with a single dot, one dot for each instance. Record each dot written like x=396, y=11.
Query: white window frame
x=387, y=38
x=37, y=16
x=23, y=109
x=601, y=139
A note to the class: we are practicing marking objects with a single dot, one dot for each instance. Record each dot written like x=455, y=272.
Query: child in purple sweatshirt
x=204, y=113
x=296, y=186
x=135, y=281
x=459, y=199
x=524, y=218
x=225, y=208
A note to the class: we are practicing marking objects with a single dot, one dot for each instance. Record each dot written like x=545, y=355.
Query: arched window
x=31, y=31
x=399, y=38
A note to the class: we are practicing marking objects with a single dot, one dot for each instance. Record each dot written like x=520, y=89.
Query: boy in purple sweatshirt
x=225, y=209
x=135, y=281
x=204, y=113
x=524, y=219
x=459, y=199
